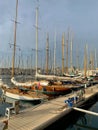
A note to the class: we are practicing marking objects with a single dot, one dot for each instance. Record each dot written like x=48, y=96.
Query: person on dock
x=80, y=94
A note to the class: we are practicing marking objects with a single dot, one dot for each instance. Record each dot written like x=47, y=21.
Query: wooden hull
x=56, y=88
x=55, y=93
x=53, y=90
x=21, y=97
x=16, y=94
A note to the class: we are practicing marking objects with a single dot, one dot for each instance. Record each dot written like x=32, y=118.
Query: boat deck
x=40, y=116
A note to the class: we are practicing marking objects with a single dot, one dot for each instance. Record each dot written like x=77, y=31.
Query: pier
x=46, y=113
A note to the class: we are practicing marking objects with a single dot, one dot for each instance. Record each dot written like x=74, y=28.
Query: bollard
x=85, y=86
x=7, y=113
x=16, y=106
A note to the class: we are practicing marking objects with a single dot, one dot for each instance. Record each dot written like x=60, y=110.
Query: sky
x=79, y=16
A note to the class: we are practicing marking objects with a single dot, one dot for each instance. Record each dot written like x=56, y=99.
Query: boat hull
x=21, y=97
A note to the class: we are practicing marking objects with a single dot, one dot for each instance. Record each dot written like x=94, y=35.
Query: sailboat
x=47, y=76
x=22, y=94
x=55, y=77
x=16, y=92
x=29, y=83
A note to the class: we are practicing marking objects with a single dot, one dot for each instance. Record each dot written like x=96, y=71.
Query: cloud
x=80, y=16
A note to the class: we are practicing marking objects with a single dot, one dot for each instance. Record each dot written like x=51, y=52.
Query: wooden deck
x=40, y=116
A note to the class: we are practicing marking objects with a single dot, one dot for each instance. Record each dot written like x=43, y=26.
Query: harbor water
x=81, y=121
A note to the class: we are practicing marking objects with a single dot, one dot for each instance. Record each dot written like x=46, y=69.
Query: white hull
x=51, y=77
x=57, y=77
x=20, y=97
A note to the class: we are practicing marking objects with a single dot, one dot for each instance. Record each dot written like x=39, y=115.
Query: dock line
x=85, y=111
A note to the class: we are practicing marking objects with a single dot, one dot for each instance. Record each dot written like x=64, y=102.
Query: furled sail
x=30, y=83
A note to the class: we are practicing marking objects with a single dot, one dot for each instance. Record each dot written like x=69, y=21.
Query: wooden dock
x=42, y=115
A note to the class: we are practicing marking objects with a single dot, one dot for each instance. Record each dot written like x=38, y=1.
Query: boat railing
x=12, y=110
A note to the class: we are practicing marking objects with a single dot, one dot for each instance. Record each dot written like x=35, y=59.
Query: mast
x=71, y=59
x=95, y=59
x=91, y=60
x=67, y=52
x=54, y=52
x=47, y=53
x=63, y=53
x=14, y=48
x=85, y=62
x=77, y=50
x=36, y=38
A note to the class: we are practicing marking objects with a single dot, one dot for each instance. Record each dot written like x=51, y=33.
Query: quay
x=46, y=113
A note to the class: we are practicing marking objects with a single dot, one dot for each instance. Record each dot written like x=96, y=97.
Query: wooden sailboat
x=16, y=92
x=55, y=89
x=22, y=94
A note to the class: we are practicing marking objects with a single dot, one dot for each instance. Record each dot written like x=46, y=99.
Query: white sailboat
x=29, y=83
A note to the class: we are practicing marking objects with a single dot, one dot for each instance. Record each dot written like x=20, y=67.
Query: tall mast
x=67, y=52
x=54, y=52
x=85, y=62
x=95, y=59
x=91, y=60
x=14, y=49
x=47, y=52
x=63, y=53
x=71, y=59
x=36, y=38
x=77, y=50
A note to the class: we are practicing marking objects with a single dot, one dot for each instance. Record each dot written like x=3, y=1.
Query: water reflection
x=84, y=127
x=86, y=121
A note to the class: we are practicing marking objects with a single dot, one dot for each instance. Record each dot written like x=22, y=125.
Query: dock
x=41, y=116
